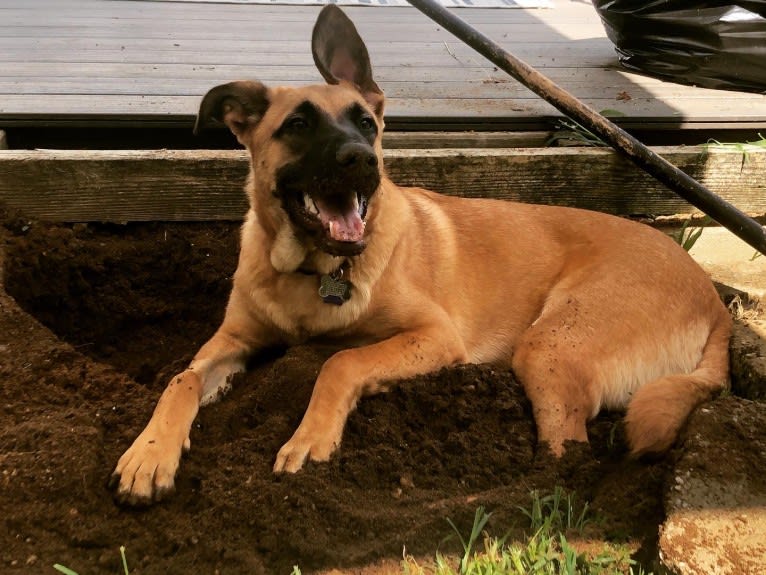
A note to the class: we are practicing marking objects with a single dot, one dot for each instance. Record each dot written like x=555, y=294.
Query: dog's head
x=315, y=151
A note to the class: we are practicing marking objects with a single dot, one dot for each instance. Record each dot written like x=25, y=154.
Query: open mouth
x=337, y=225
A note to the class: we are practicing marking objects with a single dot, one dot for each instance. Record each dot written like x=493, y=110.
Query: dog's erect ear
x=239, y=105
x=340, y=54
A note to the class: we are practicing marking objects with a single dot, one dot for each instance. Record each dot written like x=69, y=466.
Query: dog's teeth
x=309, y=205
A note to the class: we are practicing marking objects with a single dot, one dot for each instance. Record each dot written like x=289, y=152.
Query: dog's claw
x=145, y=474
x=289, y=461
x=305, y=446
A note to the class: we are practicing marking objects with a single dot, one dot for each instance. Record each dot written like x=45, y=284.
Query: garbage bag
x=711, y=44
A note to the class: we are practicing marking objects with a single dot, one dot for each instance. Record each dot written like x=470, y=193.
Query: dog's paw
x=303, y=446
x=146, y=472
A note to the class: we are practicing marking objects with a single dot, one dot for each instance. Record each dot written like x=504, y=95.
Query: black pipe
x=682, y=184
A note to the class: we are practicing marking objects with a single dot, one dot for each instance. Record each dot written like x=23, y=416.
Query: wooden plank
x=99, y=10
x=593, y=52
x=583, y=19
x=115, y=55
x=96, y=62
x=504, y=25
x=191, y=21
x=441, y=140
x=152, y=80
x=407, y=28
x=126, y=106
x=207, y=185
x=476, y=113
x=418, y=70
x=110, y=13
x=485, y=87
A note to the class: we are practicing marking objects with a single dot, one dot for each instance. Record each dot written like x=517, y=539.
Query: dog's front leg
x=146, y=471
x=351, y=373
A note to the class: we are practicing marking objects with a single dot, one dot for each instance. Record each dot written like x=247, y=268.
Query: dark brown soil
x=129, y=305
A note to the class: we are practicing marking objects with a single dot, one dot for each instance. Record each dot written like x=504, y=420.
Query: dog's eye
x=296, y=123
x=366, y=123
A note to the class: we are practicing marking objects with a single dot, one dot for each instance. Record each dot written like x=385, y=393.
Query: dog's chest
x=299, y=310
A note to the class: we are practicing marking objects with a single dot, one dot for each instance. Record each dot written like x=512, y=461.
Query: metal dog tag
x=334, y=290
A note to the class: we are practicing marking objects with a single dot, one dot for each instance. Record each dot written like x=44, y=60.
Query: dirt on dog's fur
x=433, y=448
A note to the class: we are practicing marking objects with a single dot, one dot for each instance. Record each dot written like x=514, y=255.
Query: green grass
x=687, y=236
x=574, y=132
x=552, y=518
x=556, y=512
x=68, y=571
x=479, y=522
x=546, y=552
x=743, y=147
x=570, y=130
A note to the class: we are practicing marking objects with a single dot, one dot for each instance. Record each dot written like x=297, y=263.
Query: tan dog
x=591, y=311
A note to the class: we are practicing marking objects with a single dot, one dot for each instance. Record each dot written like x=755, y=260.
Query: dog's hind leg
x=556, y=383
x=659, y=358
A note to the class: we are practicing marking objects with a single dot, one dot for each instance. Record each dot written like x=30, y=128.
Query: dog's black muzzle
x=326, y=193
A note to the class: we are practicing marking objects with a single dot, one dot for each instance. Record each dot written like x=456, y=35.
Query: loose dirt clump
x=121, y=308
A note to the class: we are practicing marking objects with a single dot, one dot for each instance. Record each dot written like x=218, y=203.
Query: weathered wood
x=90, y=62
x=207, y=185
x=403, y=113
x=477, y=83
x=440, y=140
x=128, y=55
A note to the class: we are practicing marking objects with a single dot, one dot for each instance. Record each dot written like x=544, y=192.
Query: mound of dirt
x=124, y=307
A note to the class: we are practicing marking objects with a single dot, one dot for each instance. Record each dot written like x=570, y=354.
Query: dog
x=591, y=311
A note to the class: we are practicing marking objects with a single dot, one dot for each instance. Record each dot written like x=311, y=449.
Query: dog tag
x=334, y=290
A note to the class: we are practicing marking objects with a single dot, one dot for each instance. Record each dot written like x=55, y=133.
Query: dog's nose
x=356, y=155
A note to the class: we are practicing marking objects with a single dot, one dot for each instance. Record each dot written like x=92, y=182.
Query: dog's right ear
x=340, y=54
x=239, y=105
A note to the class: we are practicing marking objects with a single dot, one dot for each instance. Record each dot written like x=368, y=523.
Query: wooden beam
x=187, y=185
x=467, y=139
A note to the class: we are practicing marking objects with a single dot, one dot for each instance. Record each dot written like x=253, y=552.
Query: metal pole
x=682, y=184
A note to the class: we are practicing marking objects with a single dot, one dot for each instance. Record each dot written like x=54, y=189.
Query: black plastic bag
x=710, y=44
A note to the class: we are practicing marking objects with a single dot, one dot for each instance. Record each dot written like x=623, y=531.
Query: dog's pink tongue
x=343, y=227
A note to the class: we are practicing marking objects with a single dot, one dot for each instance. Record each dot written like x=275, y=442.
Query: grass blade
x=124, y=559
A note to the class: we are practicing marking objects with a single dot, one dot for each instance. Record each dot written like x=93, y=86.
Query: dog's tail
x=660, y=408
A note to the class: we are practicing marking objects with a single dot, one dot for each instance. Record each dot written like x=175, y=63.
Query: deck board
x=87, y=61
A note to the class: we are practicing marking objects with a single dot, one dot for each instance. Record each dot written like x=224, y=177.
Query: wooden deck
x=86, y=63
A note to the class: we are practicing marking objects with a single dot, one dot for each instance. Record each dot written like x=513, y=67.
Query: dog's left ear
x=239, y=105
x=340, y=54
